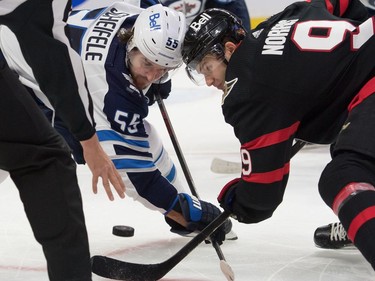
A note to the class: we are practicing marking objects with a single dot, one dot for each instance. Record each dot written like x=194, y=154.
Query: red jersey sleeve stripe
x=268, y=177
x=329, y=6
x=272, y=138
x=343, y=6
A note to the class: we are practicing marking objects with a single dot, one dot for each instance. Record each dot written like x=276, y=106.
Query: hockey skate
x=332, y=236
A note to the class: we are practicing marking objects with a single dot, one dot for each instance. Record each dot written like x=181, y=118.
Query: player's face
x=213, y=70
x=143, y=71
x=210, y=71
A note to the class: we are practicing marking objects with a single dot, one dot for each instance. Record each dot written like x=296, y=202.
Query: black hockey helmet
x=208, y=33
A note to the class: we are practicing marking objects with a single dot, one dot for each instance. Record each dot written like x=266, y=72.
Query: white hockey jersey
x=119, y=107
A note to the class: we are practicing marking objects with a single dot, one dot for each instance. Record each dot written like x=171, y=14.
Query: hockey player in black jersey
x=333, y=235
x=306, y=73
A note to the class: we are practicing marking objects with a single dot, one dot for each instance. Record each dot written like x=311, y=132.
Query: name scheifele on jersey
x=92, y=31
x=104, y=30
x=276, y=37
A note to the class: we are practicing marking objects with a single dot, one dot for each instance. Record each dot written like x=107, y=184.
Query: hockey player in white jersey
x=128, y=54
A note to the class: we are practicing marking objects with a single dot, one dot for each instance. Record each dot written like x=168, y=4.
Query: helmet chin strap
x=164, y=78
x=127, y=60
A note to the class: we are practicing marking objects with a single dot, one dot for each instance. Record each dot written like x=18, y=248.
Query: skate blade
x=348, y=247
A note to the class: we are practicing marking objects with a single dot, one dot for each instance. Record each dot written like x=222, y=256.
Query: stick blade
x=121, y=270
x=220, y=166
x=227, y=270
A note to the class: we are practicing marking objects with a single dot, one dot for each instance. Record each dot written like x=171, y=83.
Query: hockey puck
x=123, y=230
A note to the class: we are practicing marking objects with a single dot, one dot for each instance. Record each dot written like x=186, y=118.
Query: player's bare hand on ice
x=101, y=166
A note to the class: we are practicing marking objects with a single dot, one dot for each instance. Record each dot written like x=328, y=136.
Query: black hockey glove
x=163, y=89
x=244, y=214
x=227, y=196
x=199, y=214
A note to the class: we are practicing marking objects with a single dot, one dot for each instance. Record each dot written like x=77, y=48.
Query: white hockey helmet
x=158, y=34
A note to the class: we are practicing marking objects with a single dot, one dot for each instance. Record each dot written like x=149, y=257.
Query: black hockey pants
x=354, y=162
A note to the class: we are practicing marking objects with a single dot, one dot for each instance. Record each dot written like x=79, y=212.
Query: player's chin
x=141, y=82
x=220, y=86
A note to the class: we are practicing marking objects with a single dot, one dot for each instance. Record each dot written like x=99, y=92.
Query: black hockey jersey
x=294, y=76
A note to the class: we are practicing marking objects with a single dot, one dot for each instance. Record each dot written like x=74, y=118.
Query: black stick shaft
x=176, y=145
x=297, y=146
x=183, y=163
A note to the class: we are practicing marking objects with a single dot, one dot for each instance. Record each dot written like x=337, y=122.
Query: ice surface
x=279, y=249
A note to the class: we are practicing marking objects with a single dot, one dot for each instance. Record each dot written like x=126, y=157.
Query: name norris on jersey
x=102, y=32
x=276, y=38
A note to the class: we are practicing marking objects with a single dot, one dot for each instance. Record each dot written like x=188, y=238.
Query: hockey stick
x=122, y=270
x=224, y=266
x=127, y=271
x=221, y=166
x=297, y=146
x=176, y=145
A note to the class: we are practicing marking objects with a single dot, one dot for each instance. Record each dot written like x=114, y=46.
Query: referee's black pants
x=40, y=164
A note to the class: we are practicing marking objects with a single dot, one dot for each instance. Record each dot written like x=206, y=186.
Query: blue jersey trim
x=132, y=163
x=172, y=174
x=109, y=135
